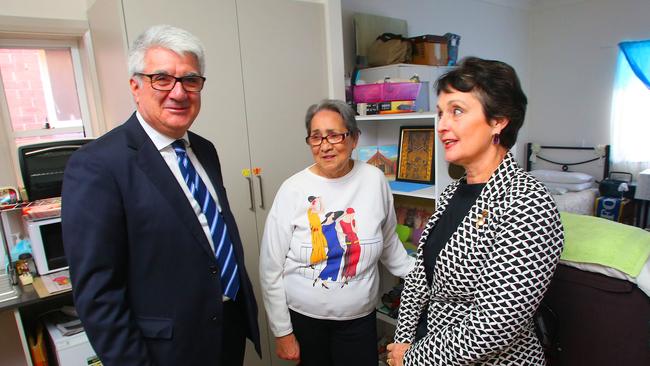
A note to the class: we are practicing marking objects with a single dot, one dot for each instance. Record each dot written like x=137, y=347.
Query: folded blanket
x=589, y=239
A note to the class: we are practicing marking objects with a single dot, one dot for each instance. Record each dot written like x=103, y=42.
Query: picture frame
x=415, y=154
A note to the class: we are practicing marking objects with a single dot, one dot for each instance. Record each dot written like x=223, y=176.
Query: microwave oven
x=47, y=245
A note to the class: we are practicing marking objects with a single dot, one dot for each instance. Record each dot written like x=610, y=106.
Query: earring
x=496, y=139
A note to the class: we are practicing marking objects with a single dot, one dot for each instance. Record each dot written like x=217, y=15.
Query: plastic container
x=385, y=92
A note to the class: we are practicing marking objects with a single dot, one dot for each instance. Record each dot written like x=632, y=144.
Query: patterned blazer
x=489, y=278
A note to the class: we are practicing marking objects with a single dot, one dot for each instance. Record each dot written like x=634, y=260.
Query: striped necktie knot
x=181, y=155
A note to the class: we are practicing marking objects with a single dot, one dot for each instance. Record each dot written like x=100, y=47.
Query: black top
x=457, y=209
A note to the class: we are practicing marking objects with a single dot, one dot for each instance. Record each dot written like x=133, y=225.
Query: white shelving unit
x=428, y=193
x=398, y=117
x=386, y=319
x=384, y=129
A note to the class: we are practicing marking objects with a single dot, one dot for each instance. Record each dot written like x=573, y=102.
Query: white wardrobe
x=266, y=62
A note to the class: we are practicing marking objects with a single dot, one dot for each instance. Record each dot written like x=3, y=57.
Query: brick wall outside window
x=21, y=77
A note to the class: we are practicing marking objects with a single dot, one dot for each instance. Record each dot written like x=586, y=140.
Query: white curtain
x=630, y=121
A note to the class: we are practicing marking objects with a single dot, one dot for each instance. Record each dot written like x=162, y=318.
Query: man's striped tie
x=223, y=247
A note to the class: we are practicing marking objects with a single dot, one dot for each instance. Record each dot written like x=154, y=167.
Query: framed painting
x=415, y=154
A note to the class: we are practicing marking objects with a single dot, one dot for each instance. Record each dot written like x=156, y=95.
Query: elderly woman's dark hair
x=497, y=87
x=338, y=106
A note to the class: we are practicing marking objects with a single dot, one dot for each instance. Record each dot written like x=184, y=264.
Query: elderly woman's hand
x=396, y=353
x=287, y=347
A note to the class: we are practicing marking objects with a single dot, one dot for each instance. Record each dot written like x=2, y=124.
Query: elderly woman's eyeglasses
x=164, y=82
x=333, y=138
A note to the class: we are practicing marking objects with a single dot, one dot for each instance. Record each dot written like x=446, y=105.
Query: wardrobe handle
x=259, y=179
x=250, y=192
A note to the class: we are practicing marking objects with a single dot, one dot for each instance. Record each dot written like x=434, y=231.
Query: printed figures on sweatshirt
x=334, y=249
x=326, y=246
x=318, y=242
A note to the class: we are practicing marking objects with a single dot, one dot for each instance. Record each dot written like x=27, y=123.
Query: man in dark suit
x=155, y=257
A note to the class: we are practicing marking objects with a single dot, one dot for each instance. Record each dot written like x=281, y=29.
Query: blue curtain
x=637, y=54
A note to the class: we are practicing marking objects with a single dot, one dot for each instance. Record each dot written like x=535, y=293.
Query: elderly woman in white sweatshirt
x=329, y=226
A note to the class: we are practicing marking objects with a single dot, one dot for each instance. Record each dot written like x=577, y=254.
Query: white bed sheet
x=642, y=280
x=577, y=202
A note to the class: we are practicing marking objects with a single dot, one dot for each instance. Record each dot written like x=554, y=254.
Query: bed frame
x=546, y=154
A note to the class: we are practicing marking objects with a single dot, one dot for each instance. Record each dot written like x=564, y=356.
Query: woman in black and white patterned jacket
x=488, y=253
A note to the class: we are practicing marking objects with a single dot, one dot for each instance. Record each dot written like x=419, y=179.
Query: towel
x=589, y=239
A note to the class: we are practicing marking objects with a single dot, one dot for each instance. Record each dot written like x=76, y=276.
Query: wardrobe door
x=115, y=24
x=285, y=69
x=284, y=64
x=222, y=116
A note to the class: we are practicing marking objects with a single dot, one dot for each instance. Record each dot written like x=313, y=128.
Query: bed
x=591, y=161
x=602, y=304
x=600, y=294
x=601, y=321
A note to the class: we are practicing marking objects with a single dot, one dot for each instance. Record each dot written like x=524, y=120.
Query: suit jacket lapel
x=496, y=186
x=154, y=166
x=209, y=162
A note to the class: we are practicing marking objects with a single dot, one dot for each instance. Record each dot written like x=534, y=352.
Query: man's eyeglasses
x=164, y=82
x=334, y=138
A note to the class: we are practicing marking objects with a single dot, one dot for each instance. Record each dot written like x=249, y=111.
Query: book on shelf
x=65, y=321
x=57, y=281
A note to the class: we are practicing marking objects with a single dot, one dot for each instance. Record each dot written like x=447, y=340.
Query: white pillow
x=557, y=176
x=557, y=190
x=573, y=187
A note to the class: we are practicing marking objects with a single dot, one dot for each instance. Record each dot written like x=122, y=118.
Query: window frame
x=619, y=126
x=79, y=43
x=82, y=96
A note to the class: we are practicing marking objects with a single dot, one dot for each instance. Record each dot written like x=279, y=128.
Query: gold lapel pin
x=481, y=219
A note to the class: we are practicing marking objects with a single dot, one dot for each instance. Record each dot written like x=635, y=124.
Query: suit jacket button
x=214, y=318
x=214, y=269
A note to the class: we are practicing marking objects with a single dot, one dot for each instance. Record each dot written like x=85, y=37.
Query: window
x=42, y=88
x=630, y=119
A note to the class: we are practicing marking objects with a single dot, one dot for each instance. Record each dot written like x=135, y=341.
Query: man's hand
x=287, y=347
x=396, y=353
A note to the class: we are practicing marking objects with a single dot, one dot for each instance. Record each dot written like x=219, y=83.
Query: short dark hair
x=338, y=106
x=497, y=87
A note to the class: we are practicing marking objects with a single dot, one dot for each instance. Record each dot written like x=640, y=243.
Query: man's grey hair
x=175, y=39
x=338, y=106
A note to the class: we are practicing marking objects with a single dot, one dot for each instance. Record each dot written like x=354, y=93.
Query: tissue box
x=615, y=209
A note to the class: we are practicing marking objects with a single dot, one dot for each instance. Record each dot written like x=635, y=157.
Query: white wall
x=53, y=9
x=489, y=29
x=573, y=60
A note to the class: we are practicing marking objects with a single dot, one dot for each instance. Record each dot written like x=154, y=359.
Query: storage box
x=615, y=209
x=430, y=50
x=385, y=92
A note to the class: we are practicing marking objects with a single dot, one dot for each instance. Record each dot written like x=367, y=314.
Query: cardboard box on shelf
x=430, y=50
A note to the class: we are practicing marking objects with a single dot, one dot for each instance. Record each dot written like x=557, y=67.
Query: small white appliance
x=72, y=350
x=47, y=245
